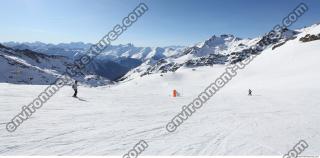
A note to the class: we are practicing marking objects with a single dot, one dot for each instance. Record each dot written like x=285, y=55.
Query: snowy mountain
x=113, y=63
x=140, y=53
x=62, y=49
x=218, y=50
x=126, y=62
x=29, y=67
x=110, y=120
x=111, y=52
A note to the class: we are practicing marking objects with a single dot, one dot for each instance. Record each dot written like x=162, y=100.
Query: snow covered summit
x=217, y=50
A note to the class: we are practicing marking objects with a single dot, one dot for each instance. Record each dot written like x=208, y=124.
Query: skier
x=250, y=92
x=75, y=88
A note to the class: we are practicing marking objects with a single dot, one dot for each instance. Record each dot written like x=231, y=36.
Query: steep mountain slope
x=283, y=110
x=29, y=67
x=108, y=68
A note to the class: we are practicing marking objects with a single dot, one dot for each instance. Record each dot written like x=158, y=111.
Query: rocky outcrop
x=309, y=38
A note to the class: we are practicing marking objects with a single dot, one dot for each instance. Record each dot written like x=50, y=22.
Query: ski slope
x=110, y=120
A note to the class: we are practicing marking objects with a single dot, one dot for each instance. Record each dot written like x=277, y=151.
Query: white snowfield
x=283, y=110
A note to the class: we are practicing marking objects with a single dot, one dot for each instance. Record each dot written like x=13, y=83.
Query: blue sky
x=168, y=22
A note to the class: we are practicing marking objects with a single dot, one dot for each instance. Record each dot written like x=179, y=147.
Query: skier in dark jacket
x=250, y=92
x=75, y=88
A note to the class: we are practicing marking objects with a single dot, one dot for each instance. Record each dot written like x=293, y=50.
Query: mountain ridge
x=126, y=62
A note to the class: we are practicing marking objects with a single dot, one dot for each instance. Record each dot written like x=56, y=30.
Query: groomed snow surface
x=107, y=120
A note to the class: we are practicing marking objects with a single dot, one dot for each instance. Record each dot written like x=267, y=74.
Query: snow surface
x=108, y=120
